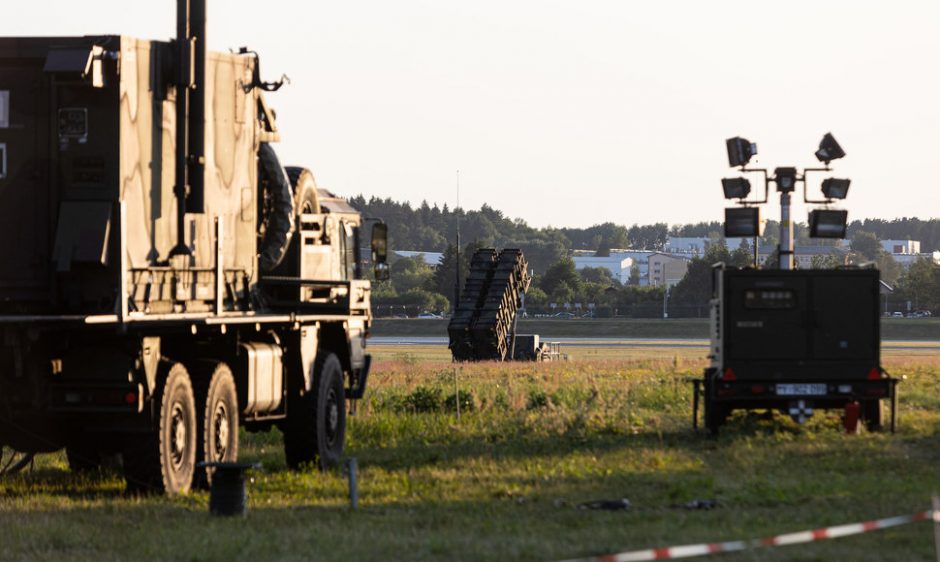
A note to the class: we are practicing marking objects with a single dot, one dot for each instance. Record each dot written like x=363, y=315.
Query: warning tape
x=704, y=549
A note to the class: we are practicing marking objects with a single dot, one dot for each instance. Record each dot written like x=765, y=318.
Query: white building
x=640, y=257
x=681, y=245
x=901, y=247
x=696, y=247
x=907, y=259
x=618, y=266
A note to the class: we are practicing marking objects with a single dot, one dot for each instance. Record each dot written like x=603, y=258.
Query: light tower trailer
x=163, y=280
x=795, y=341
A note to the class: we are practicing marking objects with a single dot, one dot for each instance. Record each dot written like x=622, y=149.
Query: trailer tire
x=715, y=413
x=217, y=421
x=873, y=414
x=164, y=459
x=316, y=426
x=304, y=187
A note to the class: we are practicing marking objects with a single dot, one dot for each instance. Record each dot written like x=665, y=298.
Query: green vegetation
x=503, y=480
x=431, y=228
x=415, y=287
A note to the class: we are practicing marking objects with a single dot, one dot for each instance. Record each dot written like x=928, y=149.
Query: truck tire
x=316, y=425
x=304, y=187
x=873, y=414
x=164, y=459
x=217, y=422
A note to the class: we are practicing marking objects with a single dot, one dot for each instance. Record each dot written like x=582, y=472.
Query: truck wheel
x=164, y=459
x=316, y=425
x=217, y=401
x=872, y=413
x=304, y=187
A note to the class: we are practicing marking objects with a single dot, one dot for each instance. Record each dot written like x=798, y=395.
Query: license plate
x=804, y=389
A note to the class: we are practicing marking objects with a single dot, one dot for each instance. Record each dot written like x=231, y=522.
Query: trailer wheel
x=715, y=414
x=217, y=421
x=872, y=413
x=316, y=425
x=164, y=459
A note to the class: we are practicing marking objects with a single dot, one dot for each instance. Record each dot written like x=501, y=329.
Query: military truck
x=795, y=341
x=164, y=280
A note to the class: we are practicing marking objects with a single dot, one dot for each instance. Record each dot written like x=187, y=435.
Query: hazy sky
x=574, y=113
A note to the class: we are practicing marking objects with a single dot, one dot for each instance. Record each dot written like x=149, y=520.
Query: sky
x=576, y=113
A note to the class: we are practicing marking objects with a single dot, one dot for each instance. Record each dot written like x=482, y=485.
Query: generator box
x=794, y=340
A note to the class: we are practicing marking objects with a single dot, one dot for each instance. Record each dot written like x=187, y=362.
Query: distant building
x=697, y=247
x=901, y=247
x=619, y=267
x=803, y=255
x=907, y=259
x=640, y=259
x=682, y=245
x=432, y=259
x=906, y=252
x=667, y=269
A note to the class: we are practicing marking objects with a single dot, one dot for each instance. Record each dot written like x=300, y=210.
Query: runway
x=891, y=345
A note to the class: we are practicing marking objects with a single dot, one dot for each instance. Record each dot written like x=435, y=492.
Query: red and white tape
x=704, y=549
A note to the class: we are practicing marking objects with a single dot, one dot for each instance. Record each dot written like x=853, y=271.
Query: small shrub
x=467, y=403
x=538, y=399
x=424, y=399
x=501, y=400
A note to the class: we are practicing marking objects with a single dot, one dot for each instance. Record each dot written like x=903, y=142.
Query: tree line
x=415, y=286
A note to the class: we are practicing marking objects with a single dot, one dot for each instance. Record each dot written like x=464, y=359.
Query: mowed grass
x=503, y=481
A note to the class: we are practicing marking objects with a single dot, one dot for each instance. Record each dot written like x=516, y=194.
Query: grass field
x=503, y=481
x=891, y=328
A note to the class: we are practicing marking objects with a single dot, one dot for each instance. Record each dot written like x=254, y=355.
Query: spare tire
x=304, y=187
x=277, y=217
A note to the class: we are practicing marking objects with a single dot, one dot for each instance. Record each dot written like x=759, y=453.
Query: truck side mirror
x=380, y=251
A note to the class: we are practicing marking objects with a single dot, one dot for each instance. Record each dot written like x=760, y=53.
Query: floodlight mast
x=785, y=249
x=740, y=152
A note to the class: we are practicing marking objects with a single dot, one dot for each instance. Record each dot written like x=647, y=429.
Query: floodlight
x=736, y=188
x=743, y=222
x=786, y=179
x=828, y=223
x=834, y=188
x=740, y=151
x=829, y=149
